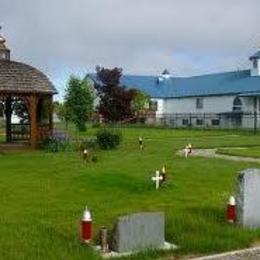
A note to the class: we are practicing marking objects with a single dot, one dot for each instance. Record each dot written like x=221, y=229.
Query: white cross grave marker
x=157, y=179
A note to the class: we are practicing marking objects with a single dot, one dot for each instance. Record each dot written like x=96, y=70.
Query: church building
x=229, y=99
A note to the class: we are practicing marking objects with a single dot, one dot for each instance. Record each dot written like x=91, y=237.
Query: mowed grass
x=43, y=195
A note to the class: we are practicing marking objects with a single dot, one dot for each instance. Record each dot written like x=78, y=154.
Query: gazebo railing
x=20, y=132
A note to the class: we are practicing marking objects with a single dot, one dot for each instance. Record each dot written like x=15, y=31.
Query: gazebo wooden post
x=8, y=115
x=51, y=114
x=33, y=120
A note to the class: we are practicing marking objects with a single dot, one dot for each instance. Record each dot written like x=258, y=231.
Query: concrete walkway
x=248, y=254
x=212, y=153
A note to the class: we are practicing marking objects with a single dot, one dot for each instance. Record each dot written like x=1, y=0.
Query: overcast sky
x=188, y=37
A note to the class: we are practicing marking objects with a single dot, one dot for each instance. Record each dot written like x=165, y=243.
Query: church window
x=215, y=122
x=237, y=104
x=255, y=64
x=185, y=122
x=199, y=103
x=199, y=121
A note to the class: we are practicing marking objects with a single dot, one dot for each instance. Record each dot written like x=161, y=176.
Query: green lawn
x=43, y=195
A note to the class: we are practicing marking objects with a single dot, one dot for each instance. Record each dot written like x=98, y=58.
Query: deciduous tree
x=79, y=101
x=140, y=102
x=115, y=100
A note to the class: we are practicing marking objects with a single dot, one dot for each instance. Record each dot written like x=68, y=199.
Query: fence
x=233, y=120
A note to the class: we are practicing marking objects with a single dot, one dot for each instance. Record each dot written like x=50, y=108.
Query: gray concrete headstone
x=248, y=199
x=139, y=232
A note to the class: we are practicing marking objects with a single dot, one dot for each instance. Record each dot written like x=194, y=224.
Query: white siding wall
x=188, y=105
x=248, y=104
x=215, y=105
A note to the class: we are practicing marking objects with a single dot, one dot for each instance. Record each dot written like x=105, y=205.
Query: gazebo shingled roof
x=16, y=77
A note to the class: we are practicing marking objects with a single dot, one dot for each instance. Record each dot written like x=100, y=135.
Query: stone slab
x=138, y=232
x=166, y=247
x=248, y=198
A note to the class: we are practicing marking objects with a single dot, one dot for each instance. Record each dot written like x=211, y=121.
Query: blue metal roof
x=238, y=82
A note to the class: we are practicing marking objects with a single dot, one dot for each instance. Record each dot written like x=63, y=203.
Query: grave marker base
x=166, y=247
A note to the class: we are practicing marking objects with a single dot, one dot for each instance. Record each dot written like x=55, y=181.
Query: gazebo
x=26, y=93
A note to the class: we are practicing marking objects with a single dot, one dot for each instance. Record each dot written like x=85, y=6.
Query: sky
x=188, y=37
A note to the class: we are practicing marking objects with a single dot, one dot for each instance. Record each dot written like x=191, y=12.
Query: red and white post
x=86, y=227
x=231, y=210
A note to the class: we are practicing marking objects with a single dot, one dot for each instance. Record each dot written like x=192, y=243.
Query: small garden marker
x=141, y=143
x=85, y=154
x=163, y=173
x=157, y=179
x=104, y=239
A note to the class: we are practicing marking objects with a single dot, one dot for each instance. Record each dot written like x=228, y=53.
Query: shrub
x=108, y=139
x=57, y=142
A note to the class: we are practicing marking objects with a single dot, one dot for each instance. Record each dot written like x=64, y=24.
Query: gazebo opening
x=17, y=120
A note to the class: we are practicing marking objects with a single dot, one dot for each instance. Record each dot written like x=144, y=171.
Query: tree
x=56, y=107
x=63, y=112
x=115, y=100
x=140, y=102
x=79, y=101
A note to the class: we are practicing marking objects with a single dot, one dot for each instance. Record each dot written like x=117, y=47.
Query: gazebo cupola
x=4, y=51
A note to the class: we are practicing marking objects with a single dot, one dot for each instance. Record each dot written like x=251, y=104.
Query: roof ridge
x=193, y=76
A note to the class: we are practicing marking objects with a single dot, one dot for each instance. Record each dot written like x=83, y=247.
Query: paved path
x=247, y=254
x=212, y=153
